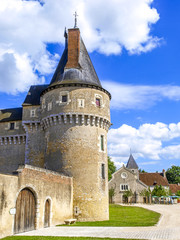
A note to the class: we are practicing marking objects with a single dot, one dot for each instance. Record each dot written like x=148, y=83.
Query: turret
x=132, y=165
x=75, y=118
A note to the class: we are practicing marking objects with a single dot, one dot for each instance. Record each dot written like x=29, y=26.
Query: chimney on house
x=73, y=49
x=164, y=173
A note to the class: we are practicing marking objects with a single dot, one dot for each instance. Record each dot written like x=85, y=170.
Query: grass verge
x=125, y=216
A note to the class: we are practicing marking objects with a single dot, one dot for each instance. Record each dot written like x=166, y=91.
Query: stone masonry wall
x=131, y=180
x=45, y=185
x=73, y=135
x=12, y=146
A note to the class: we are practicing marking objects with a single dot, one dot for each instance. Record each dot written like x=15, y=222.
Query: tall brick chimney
x=164, y=173
x=73, y=48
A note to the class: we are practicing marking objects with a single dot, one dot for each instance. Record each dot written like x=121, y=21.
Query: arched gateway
x=25, y=211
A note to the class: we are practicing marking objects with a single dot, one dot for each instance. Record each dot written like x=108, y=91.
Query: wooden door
x=47, y=214
x=25, y=212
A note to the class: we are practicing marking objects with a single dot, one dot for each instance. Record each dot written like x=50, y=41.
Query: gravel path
x=167, y=228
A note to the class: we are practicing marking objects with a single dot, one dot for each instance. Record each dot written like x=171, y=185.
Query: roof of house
x=174, y=188
x=78, y=68
x=11, y=114
x=33, y=96
x=131, y=164
x=151, y=179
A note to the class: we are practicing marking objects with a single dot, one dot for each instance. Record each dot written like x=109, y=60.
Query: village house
x=130, y=179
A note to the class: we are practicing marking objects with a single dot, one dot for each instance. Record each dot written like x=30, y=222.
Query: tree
x=111, y=168
x=142, y=171
x=178, y=193
x=111, y=194
x=159, y=191
x=173, y=174
x=147, y=194
x=127, y=194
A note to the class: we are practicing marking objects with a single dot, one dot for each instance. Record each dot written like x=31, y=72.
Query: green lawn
x=125, y=216
x=59, y=238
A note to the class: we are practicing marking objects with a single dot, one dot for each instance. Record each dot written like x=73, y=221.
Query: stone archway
x=25, y=211
x=47, y=213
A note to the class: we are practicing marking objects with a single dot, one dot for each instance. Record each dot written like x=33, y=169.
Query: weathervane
x=75, y=24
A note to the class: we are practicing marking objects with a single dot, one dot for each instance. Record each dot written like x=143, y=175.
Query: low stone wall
x=45, y=185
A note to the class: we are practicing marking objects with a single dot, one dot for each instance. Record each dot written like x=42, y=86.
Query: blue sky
x=134, y=46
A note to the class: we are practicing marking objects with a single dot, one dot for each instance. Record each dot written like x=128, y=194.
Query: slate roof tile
x=11, y=114
x=131, y=164
x=33, y=96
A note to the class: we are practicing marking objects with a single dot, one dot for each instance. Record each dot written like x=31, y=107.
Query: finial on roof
x=75, y=24
x=65, y=33
x=66, y=36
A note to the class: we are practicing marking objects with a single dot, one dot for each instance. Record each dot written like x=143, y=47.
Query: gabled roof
x=11, y=114
x=131, y=164
x=75, y=65
x=152, y=179
x=174, y=188
x=119, y=170
x=33, y=96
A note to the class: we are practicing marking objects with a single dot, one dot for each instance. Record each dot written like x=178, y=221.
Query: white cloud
x=20, y=75
x=149, y=141
x=106, y=26
x=126, y=96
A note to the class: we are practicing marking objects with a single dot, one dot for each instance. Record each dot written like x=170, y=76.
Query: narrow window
x=81, y=103
x=103, y=170
x=50, y=106
x=124, y=187
x=64, y=98
x=98, y=103
x=11, y=126
x=43, y=104
x=32, y=113
x=102, y=143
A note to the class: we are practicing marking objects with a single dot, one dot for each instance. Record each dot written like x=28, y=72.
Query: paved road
x=167, y=228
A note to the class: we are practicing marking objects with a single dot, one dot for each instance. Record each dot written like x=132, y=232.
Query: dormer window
x=64, y=98
x=11, y=126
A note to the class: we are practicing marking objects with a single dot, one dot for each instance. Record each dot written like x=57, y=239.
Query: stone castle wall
x=73, y=133
x=45, y=185
x=12, y=146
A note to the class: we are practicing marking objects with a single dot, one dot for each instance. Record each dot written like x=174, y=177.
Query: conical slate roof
x=75, y=65
x=131, y=164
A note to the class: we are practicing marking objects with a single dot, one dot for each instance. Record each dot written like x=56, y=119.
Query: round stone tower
x=76, y=117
